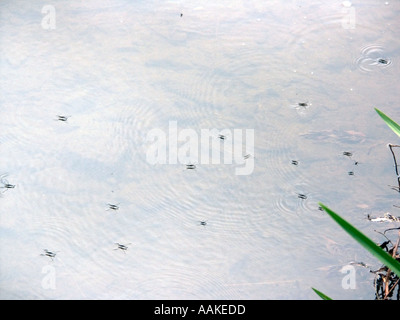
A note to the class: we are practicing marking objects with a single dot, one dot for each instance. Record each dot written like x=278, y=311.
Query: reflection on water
x=84, y=214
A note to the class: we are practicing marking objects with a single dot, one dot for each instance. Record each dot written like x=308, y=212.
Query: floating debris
x=387, y=217
x=360, y=264
x=386, y=281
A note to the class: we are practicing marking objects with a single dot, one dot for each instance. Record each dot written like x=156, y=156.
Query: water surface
x=119, y=69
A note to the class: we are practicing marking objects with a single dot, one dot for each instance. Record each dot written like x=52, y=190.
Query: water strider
x=114, y=207
x=203, y=223
x=62, y=118
x=49, y=254
x=123, y=247
x=6, y=185
x=302, y=196
x=383, y=61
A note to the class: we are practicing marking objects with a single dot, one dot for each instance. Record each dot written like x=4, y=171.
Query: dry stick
x=386, y=280
x=390, y=230
x=384, y=235
x=395, y=162
x=387, y=291
x=394, y=286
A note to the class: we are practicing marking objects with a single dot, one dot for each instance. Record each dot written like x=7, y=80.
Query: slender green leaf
x=367, y=243
x=323, y=296
x=392, y=125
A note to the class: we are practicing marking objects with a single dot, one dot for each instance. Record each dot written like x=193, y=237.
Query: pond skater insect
x=62, y=118
x=114, y=207
x=203, y=223
x=6, y=184
x=49, y=254
x=123, y=247
x=301, y=196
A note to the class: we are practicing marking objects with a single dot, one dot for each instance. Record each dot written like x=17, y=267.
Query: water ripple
x=372, y=58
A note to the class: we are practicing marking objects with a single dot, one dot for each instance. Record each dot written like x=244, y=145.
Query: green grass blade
x=367, y=243
x=392, y=125
x=323, y=296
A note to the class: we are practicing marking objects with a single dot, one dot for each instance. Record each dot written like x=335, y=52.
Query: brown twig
x=387, y=278
x=395, y=162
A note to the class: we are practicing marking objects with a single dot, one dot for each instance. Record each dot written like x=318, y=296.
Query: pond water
x=291, y=85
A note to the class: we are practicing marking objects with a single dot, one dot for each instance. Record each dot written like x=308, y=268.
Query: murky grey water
x=119, y=69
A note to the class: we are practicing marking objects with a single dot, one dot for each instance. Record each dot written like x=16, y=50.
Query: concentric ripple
x=372, y=58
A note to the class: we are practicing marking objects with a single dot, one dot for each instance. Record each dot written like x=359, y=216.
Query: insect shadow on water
x=123, y=247
x=113, y=207
x=49, y=254
x=355, y=162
